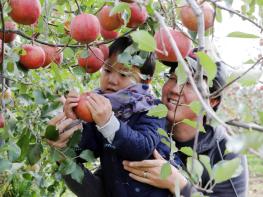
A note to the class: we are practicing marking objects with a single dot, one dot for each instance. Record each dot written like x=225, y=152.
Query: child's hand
x=71, y=102
x=100, y=108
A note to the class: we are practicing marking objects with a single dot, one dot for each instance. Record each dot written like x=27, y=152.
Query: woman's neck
x=183, y=132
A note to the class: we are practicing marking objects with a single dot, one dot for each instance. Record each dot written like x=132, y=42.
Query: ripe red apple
x=52, y=54
x=105, y=50
x=82, y=111
x=85, y=28
x=189, y=18
x=138, y=15
x=109, y=22
x=2, y=120
x=108, y=35
x=25, y=12
x=182, y=41
x=34, y=57
x=9, y=37
x=94, y=61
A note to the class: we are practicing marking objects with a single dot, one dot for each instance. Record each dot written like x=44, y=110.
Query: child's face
x=115, y=77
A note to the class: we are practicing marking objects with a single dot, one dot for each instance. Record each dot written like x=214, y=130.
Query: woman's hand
x=61, y=122
x=100, y=108
x=71, y=102
x=149, y=171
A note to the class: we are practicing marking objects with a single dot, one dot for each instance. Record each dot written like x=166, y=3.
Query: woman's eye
x=107, y=70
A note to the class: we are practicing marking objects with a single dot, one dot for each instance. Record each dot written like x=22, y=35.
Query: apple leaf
x=5, y=165
x=51, y=133
x=195, y=168
x=87, y=155
x=182, y=76
x=238, y=34
x=205, y=160
x=34, y=153
x=196, y=107
x=166, y=170
x=208, y=64
x=187, y=151
x=77, y=174
x=144, y=40
x=159, y=111
x=225, y=170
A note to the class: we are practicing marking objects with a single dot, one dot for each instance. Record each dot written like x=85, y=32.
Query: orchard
x=49, y=47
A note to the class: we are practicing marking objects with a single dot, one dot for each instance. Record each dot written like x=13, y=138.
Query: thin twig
x=216, y=93
x=245, y=125
x=78, y=6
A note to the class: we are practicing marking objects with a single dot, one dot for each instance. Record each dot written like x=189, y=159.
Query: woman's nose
x=177, y=88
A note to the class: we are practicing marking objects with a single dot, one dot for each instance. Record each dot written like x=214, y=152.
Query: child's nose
x=113, y=79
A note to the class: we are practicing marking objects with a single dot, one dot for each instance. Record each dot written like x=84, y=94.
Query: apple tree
x=49, y=47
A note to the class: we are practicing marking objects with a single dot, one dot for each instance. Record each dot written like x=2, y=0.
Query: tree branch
x=216, y=93
x=245, y=125
x=236, y=13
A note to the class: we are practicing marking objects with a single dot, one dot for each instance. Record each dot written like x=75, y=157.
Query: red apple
x=2, y=120
x=52, y=54
x=108, y=35
x=85, y=28
x=107, y=21
x=94, y=61
x=25, y=12
x=82, y=111
x=105, y=50
x=9, y=37
x=34, y=57
x=182, y=41
x=138, y=15
x=189, y=18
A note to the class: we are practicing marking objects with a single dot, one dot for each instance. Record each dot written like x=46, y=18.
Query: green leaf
x=159, y=111
x=87, y=155
x=34, y=153
x=120, y=7
x=68, y=53
x=238, y=34
x=23, y=143
x=144, y=40
x=13, y=152
x=77, y=174
x=195, y=168
x=208, y=64
x=187, y=151
x=224, y=170
x=196, y=107
x=181, y=74
x=260, y=115
x=78, y=70
x=74, y=140
x=124, y=58
x=67, y=166
x=84, y=54
x=51, y=133
x=160, y=67
x=10, y=67
x=166, y=170
x=205, y=160
x=162, y=132
x=39, y=97
x=5, y=165
x=218, y=15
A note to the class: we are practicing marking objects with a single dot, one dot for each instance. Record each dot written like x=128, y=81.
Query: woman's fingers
x=57, y=119
x=144, y=163
x=157, y=155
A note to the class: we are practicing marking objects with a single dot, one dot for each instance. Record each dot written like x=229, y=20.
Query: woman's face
x=170, y=96
x=115, y=77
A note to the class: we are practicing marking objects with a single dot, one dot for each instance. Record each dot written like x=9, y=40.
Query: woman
x=211, y=143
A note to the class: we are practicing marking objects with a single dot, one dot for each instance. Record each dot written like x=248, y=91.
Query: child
x=121, y=128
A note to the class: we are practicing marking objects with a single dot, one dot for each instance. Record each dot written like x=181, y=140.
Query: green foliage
x=159, y=111
x=166, y=170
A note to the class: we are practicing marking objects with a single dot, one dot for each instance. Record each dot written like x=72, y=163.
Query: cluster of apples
x=86, y=28
x=27, y=12
x=164, y=49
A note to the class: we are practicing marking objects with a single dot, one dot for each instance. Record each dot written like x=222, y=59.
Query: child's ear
x=214, y=102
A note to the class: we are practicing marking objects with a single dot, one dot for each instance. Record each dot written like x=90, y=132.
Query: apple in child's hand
x=82, y=111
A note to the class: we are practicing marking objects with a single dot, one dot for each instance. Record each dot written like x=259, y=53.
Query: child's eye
x=123, y=75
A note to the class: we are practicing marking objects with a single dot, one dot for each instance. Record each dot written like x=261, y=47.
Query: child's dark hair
x=120, y=44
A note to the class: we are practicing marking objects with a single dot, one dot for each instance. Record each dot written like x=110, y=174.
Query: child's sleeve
x=90, y=139
x=138, y=139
